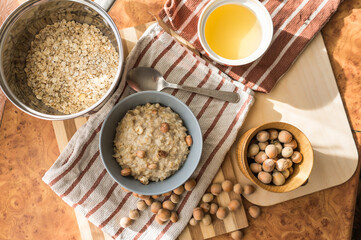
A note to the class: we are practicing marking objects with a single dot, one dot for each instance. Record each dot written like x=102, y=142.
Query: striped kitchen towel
x=79, y=177
x=295, y=22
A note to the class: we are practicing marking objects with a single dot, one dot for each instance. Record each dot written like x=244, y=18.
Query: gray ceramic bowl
x=107, y=135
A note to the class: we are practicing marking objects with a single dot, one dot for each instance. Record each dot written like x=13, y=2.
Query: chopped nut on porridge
x=140, y=154
x=164, y=127
x=162, y=138
x=162, y=154
x=152, y=166
x=125, y=172
x=189, y=140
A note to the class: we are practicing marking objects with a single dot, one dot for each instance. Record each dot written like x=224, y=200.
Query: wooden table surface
x=30, y=210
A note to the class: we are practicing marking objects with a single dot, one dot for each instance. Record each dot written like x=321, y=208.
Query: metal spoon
x=146, y=78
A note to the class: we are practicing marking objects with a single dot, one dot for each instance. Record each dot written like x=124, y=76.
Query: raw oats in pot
x=70, y=66
x=150, y=143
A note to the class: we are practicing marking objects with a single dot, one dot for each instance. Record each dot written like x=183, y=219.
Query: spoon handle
x=222, y=95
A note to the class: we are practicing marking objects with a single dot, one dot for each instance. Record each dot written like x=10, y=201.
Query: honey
x=233, y=32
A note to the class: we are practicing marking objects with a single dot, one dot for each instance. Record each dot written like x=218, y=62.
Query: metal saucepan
x=17, y=33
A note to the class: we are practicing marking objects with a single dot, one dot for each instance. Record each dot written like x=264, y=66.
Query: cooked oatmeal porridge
x=151, y=143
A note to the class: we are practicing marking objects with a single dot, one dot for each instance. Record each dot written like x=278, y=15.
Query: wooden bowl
x=301, y=171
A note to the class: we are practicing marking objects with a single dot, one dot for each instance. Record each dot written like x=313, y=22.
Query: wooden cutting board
x=308, y=98
x=64, y=130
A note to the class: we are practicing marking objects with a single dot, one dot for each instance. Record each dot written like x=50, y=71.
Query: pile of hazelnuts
x=161, y=205
x=271, y=156
x=209, y=205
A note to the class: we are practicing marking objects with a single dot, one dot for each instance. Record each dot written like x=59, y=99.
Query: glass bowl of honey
x=235, y=32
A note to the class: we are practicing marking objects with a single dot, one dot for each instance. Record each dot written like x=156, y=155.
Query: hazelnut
x=213, y=208
x=155, y=197
x=198, y=213
x=168, y=205
x=193, y=222
x=144, y=197
x=291, y=170
x=141, y=205
x=296, y=157
x=221, y=213
x=144, y=180
x=124, y=189
x=262, y=145
x=237, y=188
x=154, y=111
x=216, y=189
x=164, y=127
x=254, y=211
x=136, y=195
x=162, y=153
x=273, y=134
x=163, y=214
x=285, y=136
x=262, y=136
x=227, y=186
x=152, y=166
x=190, y=184
x=260, y=157
x=234, y=205
x=281, y=164
x=287, y=152
x=264, y=177
x=174, y=198
x=286, y=173
x=207, y=220
x=189, y=140
x=279, y=147
x=278, y=179
x=253, y=149
x=134, y=214
x=174, y=217
x=155, y=207
x=268, y=165
x=289, y=163
x=167, y=194
x=271, y=151
x=205, y=206
x=159, y=221
x=179, y=190
x=125, y=222
x=125, y=172
x=140, y=154
x=248, y=189
x=208, y=197
x=255, y=167
x=148, y=201
x=139, y=130
x=292, y=144
x=237, y=235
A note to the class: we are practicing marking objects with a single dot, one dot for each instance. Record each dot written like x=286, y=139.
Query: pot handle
x=105, y=4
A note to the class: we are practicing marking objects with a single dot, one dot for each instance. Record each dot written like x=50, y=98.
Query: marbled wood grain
x=340, y=201
x=28, y=207
x=2, y=104
x=129, y=13
x=328, y=214
x=342, y=37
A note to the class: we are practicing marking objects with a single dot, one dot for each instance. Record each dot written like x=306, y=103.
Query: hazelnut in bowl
x=275, y=156
x=150, y=143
